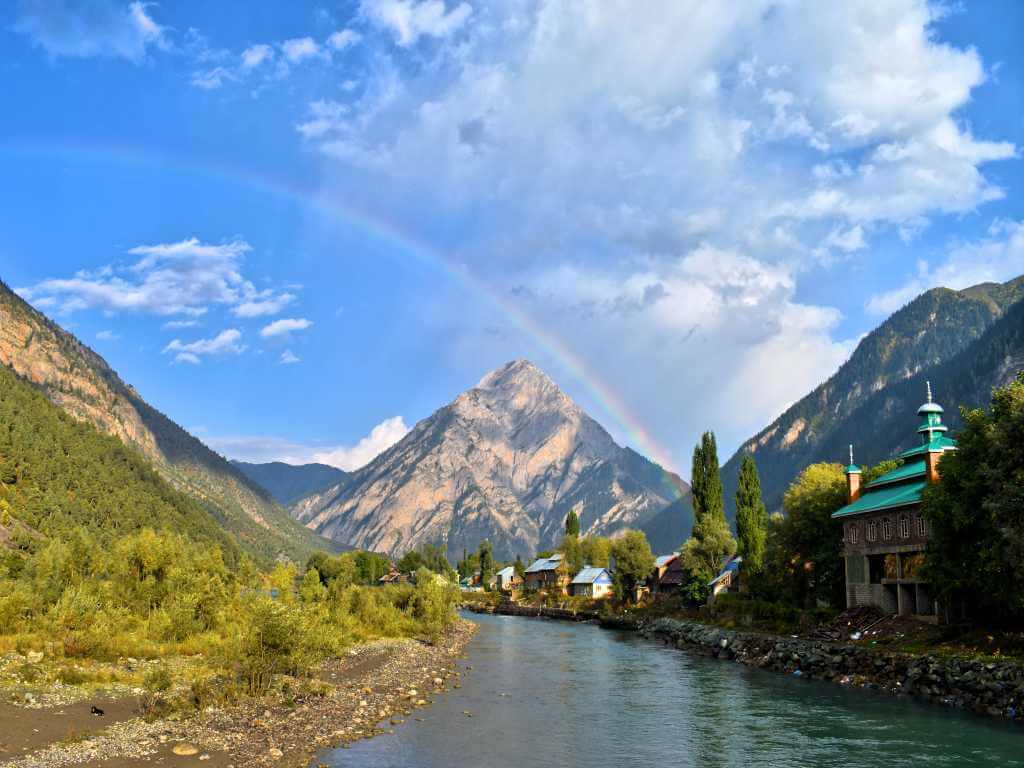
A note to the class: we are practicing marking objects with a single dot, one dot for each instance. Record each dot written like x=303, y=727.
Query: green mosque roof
x=886, y=497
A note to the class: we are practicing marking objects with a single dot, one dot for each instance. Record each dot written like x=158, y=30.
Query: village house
x=661, y=565
x=547, y=573
x=727, y=580
x=671, y=578
x=507, y=580
x=394, y=576
x=595, y=583
x=884, y=532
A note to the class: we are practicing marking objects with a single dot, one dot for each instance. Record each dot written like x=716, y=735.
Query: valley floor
x=379, y=682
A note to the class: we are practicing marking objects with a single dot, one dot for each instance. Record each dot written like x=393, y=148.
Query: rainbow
x=390, y=233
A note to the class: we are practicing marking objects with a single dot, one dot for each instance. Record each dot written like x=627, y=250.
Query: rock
x=275, y=753
x=185, y=749
x=34, y=657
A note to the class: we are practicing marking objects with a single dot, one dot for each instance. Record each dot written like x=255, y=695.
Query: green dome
x=930, y=408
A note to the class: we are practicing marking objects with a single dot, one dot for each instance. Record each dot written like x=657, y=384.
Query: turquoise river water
x=547, y=694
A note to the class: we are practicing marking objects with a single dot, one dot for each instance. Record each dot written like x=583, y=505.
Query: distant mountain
x=506, y=460
x=943, y=335
x=290, y=482
x=79, y=381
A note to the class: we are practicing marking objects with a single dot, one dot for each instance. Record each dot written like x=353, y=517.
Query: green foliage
x=572, y=524
x=349, y=567
x=976, y=545
x=433, y=604
x=427, y=556
x=486, y=558
x=633, y=563
x=803, y=552
x=519, y=567
x=751, y=518
x=702, y=555
x=588, y=550
x=64, y=479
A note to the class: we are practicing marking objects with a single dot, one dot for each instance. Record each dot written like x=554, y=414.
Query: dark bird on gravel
x=96, y=710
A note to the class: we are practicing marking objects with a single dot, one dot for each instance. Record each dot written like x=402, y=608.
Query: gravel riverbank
x=372, y=688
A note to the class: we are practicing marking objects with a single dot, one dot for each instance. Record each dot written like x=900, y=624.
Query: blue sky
x=299, y=228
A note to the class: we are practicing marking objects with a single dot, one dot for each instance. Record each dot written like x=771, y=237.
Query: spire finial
x=851, y=454
x=929, y=385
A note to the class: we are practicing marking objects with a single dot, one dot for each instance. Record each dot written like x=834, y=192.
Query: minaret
x=931, y=431
x=852, y=480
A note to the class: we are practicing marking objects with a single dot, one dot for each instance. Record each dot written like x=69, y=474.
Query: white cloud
x=183, y=278
x=347, y=457
x=255, y=55
x=212, y=79
x=289, y=358
x=107, y=335
x=997, y=258
x=343, y=38
x=227, y=342
x=285, y=326
x=106, y=28
x=171, y=325
x=408, y=20
x=300, y=49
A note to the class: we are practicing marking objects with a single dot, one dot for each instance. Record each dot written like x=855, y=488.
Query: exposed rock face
x=918, y=342
x=80, y=381
x=506, y=461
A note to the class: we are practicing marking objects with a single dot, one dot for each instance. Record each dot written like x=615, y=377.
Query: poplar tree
x=486, y=563
x=711, y=540
x=751, y=517
x=572, y=524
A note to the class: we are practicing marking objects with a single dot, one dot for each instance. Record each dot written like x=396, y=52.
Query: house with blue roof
x=884, y=532
x=592, y=582
x=727, y=580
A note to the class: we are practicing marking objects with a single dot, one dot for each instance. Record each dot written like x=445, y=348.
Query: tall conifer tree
x=751, y=517
x=572, y=524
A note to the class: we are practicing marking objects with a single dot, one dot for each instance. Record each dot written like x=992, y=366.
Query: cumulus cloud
x=654, y=179
x=343, y=38
x=227, y=342
x=346, y=457
x=284, y=327
x=182, y=278
x=255, y=55
x=105, y=28
x=997, y=257
x=300, y=49
x=409, y=20
x=289, y=358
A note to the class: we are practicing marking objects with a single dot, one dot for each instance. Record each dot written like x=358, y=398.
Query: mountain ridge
x=288, y=483
x=930, y=330
x=76, y=378
x=505, y=460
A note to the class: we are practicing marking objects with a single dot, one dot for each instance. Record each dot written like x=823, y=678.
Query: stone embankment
x=989, y=688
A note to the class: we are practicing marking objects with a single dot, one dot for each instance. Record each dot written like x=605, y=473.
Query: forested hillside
x=931, y=330
x=78, y=380
x=60, y=477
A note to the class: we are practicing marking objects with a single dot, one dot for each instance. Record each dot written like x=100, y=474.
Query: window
x=887, y=529
x=853, y=533
x=904, y=527
x=922, y=527
x=872, y=530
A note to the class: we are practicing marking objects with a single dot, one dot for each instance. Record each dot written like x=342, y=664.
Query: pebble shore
x=373, y=688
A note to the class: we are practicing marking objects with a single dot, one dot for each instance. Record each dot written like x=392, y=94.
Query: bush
x=157, y=679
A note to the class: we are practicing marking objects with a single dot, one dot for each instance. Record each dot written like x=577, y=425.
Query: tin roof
x=663, y=560
x=591, y=575
x=545, y=564
x=731, y=566
x=886, y=497
x=506, y=573
x=908, y=470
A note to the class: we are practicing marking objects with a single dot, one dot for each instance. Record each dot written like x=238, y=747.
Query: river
x=547, y=694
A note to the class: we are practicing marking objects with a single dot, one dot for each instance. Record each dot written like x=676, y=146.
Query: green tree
x=976, y=542
x=572, y=524
x=486, y=563
x=711, y=540
x=633, y=563
x=751, y=518
x=520, y=569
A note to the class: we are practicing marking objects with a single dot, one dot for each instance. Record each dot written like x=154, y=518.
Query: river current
x=547, y=694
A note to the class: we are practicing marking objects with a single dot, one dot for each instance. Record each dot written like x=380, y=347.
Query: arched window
x=854, y=533
x=904, y=527
x=886, y=528
x=872, y=530
x=922, y=527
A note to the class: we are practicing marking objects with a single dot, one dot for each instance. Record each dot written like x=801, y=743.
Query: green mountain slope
x=930, y=331
x=82, y=384
x=58, y=474
x=290, y=482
